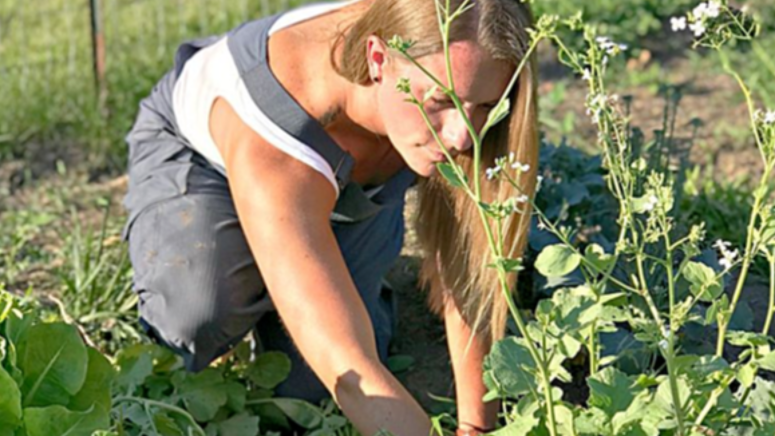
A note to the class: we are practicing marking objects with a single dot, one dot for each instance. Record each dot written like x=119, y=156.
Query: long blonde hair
x=448, y=224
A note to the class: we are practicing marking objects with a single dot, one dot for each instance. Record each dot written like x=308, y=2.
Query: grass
x=47, y=72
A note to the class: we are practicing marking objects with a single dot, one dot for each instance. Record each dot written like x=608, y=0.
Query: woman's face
x=479, y=83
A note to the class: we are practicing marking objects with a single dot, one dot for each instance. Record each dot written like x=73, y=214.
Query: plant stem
x=771, y=307
x=759, y=194
x=671, y=370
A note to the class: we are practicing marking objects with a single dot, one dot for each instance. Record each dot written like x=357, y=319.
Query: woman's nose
x=455, y=133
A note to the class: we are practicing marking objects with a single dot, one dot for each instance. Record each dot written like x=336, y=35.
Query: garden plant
x=653, y=282
x=632, y=325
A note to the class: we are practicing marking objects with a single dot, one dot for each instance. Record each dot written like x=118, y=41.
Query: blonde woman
x=267, y=179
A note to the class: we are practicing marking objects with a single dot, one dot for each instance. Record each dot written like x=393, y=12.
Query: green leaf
x=54, y=361
x=400, y=363
x=746, y=374
x=499, y=112
x=166, y=426
x=767, y=361
x=203, y=393
x=749, y=339
x=595, y=255
x=300, y=412
x=704, y=283
x=236, y=394
x=10, y=401
x=448, y=172
x=133, y=370
x=96, y=387
x=16, y=326
x=239, y=425
x=57, y=420
x=611, y=390
x=557, y=260
x=510, y=368
x=269, y=369
x=593, y=422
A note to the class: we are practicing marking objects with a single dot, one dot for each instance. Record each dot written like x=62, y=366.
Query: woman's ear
x=376, y=56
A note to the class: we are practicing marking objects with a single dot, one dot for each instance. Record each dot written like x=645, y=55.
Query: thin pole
x=98, y=54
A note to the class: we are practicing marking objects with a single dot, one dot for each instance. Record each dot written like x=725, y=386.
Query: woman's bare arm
x=467, y=367
x=284, y=208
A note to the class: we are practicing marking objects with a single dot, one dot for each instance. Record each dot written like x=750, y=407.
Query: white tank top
x=212, y=73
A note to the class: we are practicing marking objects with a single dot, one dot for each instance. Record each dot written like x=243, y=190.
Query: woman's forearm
x=373, y=399
x=467, y=361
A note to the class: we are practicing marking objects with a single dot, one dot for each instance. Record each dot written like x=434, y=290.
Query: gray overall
x=200, y=290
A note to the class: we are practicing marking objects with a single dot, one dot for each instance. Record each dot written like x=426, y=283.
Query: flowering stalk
x=445, y=21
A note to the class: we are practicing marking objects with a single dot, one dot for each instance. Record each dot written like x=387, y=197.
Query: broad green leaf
x=446, y=170
x=704, y=283
x=239, y=425
x=762, y=399
x=510, y=369
x=611, y=390
x=593, y=422
x=96, y=387
x=747, y=339
x=269, y=369
x=300, y=412
x=595, y=255
x=522, y=426
x=400, y=363
x=575, y=307
x=133, y=370
x=57, y=420
x=236, y=394
x=663, y=400
x=10, y=401
x=202, y=393
x=54, y=361
x=166, y=426
x=557, y=260
x=16, y=326
x=767, y=361
x=746, y=374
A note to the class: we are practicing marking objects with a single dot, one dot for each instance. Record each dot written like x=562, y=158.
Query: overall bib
x=200, y=290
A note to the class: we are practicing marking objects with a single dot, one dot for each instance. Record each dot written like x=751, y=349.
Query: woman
x=267, y=180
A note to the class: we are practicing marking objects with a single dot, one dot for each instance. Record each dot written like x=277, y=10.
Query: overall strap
x=248, y=46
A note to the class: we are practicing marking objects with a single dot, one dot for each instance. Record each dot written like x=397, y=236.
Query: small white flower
x=492, y=172
x=623, y=47
x=725, y=263
x=520, y=167
x=700, y=11
x=587, y=74
x=663, y=344
x=769, y=117
x=541, y=225
x=539, y=180
x=521, y=199
x=698, y=27
x=713, y=9
x=678, y=23
x=652, y=201
x=512, y=156
x=721, y=244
